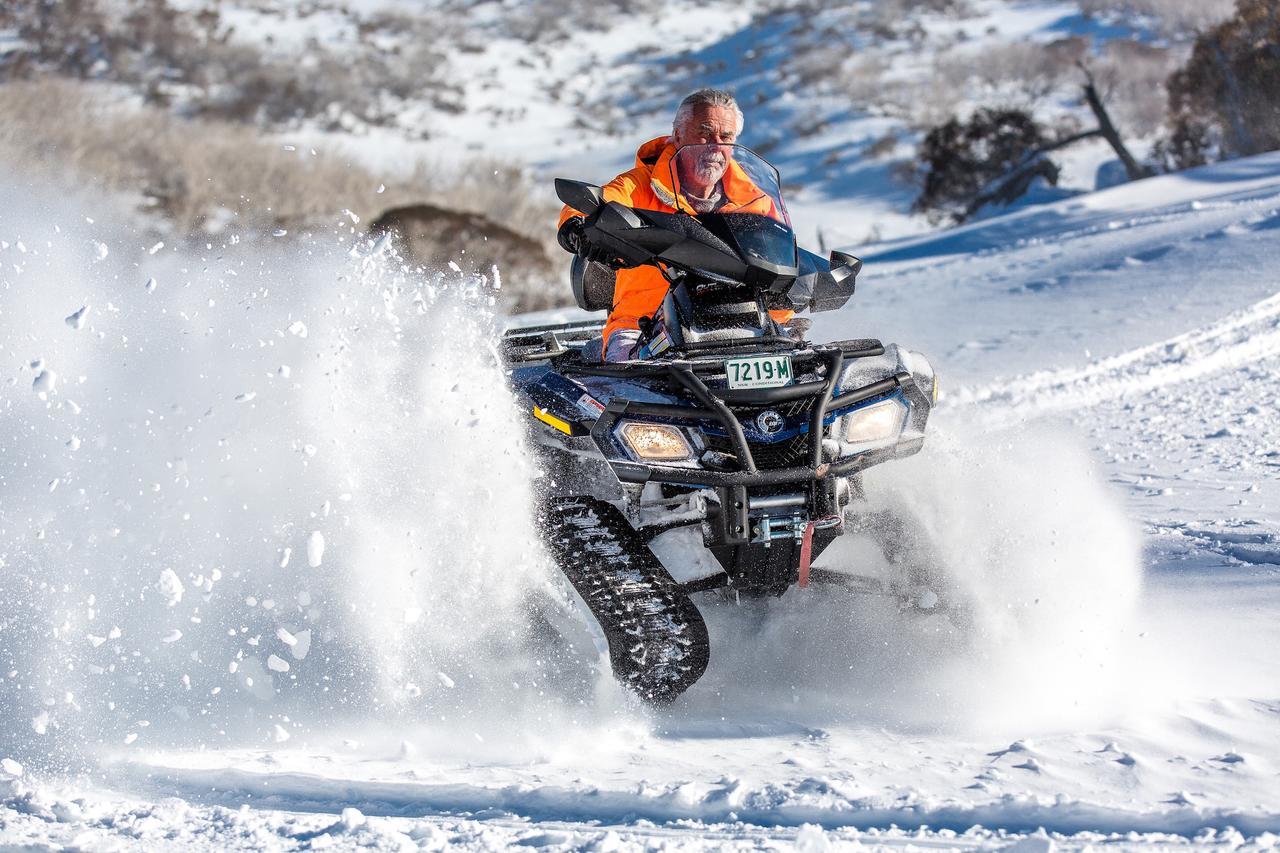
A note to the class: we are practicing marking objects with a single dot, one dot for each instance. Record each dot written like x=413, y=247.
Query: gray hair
x=707, y=98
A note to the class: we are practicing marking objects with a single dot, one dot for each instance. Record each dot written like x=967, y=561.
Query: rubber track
x=658, y=643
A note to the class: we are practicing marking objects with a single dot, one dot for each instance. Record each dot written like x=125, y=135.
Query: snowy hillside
x=265, y=538
x=837, y=95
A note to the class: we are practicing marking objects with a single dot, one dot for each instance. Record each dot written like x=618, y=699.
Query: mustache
x=710, y=163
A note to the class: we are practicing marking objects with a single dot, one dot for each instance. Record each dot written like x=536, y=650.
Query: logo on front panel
x=769, y=421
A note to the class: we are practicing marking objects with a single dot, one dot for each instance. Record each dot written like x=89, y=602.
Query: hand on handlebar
x=573, y=238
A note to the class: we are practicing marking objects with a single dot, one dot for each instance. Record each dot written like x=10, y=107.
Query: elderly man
x=705, y=117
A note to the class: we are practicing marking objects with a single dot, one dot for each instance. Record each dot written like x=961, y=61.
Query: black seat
x=593, y=284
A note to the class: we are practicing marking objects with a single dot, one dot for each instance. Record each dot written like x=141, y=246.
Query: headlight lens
x=656, y=442
x=880, y=422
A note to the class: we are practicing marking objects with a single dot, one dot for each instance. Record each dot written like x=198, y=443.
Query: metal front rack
x=713, y=404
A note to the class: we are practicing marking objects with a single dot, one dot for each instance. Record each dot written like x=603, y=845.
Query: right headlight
x=878, y=423
x=655, y=442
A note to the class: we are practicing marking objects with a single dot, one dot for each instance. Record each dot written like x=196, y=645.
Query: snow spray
x=1040, y=558
x=247, y=489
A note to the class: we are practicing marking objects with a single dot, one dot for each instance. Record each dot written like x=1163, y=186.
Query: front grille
x=789, y=453
x=790, y=409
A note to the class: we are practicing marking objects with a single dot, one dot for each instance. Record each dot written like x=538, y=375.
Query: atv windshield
x=737, y=195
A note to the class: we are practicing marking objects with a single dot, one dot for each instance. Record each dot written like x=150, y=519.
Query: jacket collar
x=656, y=155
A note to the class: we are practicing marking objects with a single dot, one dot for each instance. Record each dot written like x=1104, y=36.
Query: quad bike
x=730, y=435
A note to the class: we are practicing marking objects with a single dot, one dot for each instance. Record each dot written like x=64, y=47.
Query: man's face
x=715, y=127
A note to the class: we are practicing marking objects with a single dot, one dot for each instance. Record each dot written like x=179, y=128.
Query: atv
x=730, y=435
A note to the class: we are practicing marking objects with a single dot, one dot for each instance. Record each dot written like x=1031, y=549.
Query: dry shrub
x=925, y=103
x=192, y=172
x=862, y=80
x=1018, y=74
x=200, y=174
x=1224, y=102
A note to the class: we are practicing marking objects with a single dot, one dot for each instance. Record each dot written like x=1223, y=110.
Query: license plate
x=761, y=371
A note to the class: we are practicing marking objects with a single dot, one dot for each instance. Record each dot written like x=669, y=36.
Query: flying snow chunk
x=453, y=266
x=170, y=586
x=151, y=285
x=278, y=734
x=100, y=250
x=303, y=645
x=173, y=636
x=45, y=382
x=298, y=329
x=76, y=320
x=445, y=680
x=279, y=232
x=285, y=637
x=284, y=557
x=315, y=549
x=130, y=738
x=14, y=769
x=157, y=247
x=382, y=188
x=246, y=396
x=40, y=722
x=275, y=663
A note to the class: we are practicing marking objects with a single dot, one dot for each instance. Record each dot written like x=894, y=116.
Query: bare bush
x=862, y=81
x=200, y=175
x=923, y=104
x=195, y=173
x=1132, y=78
x=1020, y=74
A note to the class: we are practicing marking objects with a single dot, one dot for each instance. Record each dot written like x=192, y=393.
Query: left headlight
x=879, y=422
x=655, y=442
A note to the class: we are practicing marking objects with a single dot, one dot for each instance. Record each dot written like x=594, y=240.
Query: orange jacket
x=639, y=291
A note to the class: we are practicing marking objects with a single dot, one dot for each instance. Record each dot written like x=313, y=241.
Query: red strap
x=806, y=553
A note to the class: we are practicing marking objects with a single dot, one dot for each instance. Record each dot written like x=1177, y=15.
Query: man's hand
x=570, y=235
x=573, y=238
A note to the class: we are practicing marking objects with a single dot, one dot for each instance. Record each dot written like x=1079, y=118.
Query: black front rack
x=714, y=404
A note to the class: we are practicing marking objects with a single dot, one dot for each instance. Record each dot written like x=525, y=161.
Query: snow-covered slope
x=258, y=568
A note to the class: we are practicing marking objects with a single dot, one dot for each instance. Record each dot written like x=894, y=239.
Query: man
x=708, y=182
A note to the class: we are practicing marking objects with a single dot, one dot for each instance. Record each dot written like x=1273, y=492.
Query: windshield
x=737, y=195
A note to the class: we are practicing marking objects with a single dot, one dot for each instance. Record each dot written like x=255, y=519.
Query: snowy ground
x=255, y=575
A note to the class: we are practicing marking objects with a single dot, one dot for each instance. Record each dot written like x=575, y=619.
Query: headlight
x=656, y=442
x=880, y=422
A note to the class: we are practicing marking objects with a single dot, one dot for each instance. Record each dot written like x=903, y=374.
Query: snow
x=315, y=549
x=76, y=319
x=170, y=587
x=1099, y=478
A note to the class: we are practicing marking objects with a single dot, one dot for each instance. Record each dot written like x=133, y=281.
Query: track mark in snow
x=770, y=806
x=1240, y=339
